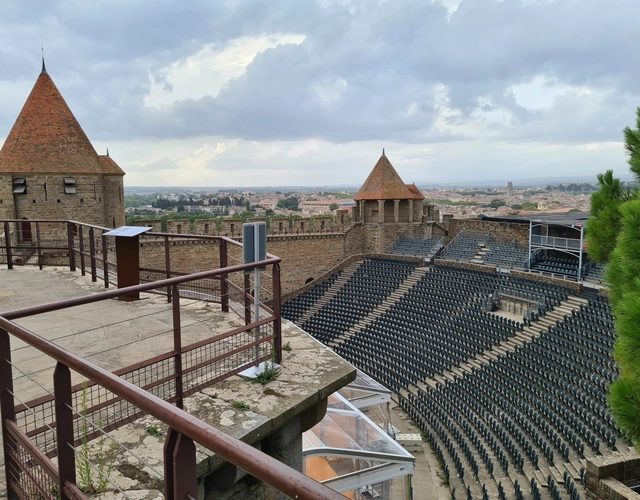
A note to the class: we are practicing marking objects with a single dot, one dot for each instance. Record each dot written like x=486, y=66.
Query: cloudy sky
x=308, y=92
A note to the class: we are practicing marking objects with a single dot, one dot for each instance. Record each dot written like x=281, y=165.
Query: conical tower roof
x=47, y=138
x=384, y=183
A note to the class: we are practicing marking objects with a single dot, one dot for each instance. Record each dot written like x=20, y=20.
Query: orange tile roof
x=47, y=138
x=384, y=183
x=110, y=167
x=417, y=194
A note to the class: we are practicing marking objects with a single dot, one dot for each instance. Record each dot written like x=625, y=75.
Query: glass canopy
x=351, y=454
x=364, y=392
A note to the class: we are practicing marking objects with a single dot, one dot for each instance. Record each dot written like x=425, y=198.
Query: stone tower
x=384, y=197
x=50, y=170
x=387, y=207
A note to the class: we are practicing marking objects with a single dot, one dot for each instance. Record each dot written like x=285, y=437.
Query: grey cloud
x=392, y=55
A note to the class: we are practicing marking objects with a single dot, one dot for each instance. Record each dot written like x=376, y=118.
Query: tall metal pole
x=530, y=235
x=580, y=253
x=256, y=285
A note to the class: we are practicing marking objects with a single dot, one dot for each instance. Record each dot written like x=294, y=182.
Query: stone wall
x=467, y=265
x=306, y=257
x=378, y=237
x=279, y=226
x=113, y=201
x=576, y=287
x=207, y=227
x=185, y=255
x=609, y=478
x=303, y=257
x=179, y=226
x=7, y=210
x=154, y=224
x=98, y=199
x=46, y=199
x=510, y=230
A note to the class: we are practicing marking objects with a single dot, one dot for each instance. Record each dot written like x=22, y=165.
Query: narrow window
x=69, y=185
x=20, y=185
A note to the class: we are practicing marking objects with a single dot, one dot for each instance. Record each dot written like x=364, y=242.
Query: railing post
x=277, y=323
x=167, y=265
x=247, y=301
x=39, y=245
x=180, y=480
x=7, y=242
x=7, y=412
x=72, y=257
x=105, y=264
x=92, y=255
x=224, y=286
x=177, y=346
x=81, y=249
x=64, y=427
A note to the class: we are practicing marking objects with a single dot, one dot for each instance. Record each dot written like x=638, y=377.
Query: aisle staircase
x=331, y=292
x=415, y=276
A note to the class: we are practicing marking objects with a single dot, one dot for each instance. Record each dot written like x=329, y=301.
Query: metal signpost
x=254, y=249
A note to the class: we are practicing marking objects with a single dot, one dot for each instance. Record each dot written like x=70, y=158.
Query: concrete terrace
x=114, y=334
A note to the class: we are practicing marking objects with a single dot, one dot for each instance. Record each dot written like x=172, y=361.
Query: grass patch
x=287, y=347
x=240, y=405
x=154, y=431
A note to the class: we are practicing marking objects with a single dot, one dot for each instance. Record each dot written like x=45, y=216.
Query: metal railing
x=462, y=235
x=49, y=426
x=556, y=243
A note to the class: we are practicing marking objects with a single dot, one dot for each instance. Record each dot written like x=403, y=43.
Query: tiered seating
x=437, y=325
x=464, y=246
x=540, y=405
x=374, y=280
x=293, y=309
x=544, y=403
x=557, y=265
x=596, y=273
x=415, y=247
x=505, y=254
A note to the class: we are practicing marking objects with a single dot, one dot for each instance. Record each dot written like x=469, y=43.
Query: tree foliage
x=289, y=203
x=632, y=145
x=604, y=224
x=623, y=276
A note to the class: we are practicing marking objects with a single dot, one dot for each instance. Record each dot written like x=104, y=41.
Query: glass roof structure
x=365, y=392
x=351, y=454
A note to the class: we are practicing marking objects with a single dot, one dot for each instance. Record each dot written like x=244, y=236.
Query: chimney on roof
x=107, y=152
x=382, y=151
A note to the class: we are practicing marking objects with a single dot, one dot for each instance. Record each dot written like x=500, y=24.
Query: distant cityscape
x=462, y=202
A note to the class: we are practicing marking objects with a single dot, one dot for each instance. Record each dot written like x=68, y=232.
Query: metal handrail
x=263, y=467
x=109, y=294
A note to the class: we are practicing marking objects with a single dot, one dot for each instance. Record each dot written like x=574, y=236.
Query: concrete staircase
x=384, y=306
x=526, y=335
x=478, y=258
x=331, y=292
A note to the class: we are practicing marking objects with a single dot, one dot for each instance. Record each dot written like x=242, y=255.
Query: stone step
x=557, y=476
x=386, y=304
x=331, y=292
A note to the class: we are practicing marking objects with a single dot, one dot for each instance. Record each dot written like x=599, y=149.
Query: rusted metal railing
x=28, y=449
